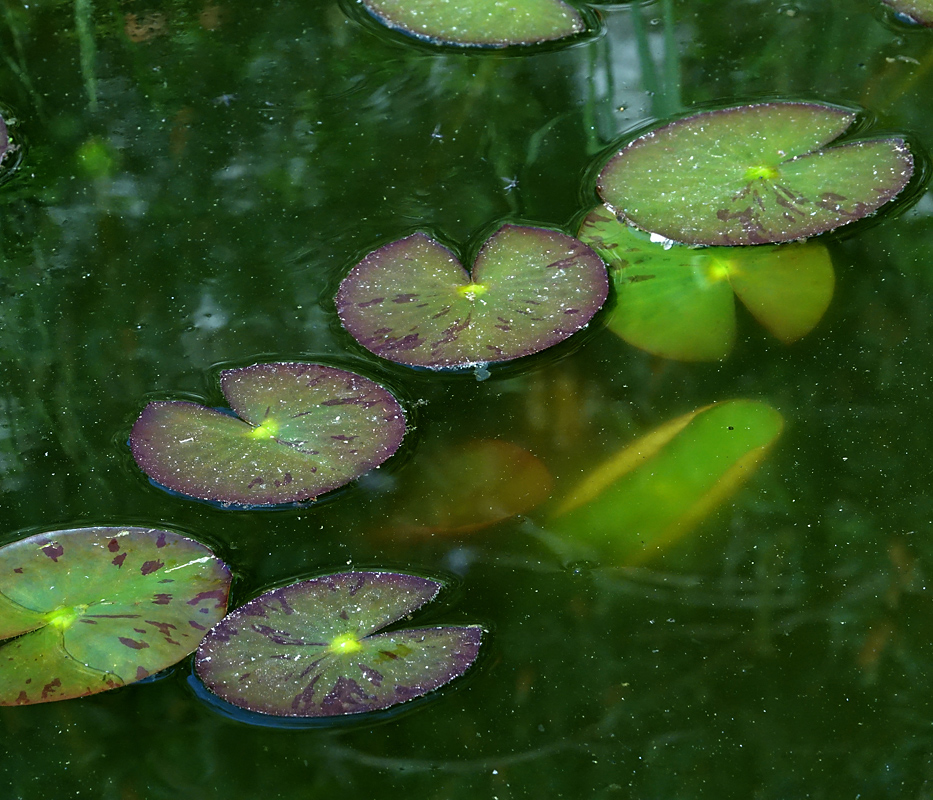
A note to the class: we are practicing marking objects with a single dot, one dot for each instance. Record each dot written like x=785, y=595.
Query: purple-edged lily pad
x=677, y=301
x=753, y=174
x=97, y=608
x=479, y=23
x=917, y=11
x=311, y=649
x=300, y=430
x=411, y=301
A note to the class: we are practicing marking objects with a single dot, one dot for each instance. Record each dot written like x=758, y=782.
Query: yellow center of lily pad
x=472, y=290
x=267, y=430
x=761, y=172
x=345, y=643
x=63, y=618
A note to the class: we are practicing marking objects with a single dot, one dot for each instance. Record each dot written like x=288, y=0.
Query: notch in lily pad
x=300, y=430
x=313, y=649
x=479, y=23
x=677, y=301
x=412, y=302
x=753, y=174
x=97, y=608
x=636, y=504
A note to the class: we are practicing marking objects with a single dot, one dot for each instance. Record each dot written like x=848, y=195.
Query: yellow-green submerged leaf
x=634, y=505
x=677, y=301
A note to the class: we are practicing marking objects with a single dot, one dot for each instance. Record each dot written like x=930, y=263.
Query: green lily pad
x=753, y=174
x=311, y=649
x=917, y=11
x=300, y=430
x=479, y=23
x=676, y=301
x=97, y=608
x=411, y=301
x=651, y=493
x=469, y=486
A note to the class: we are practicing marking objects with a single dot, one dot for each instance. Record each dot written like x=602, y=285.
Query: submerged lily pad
x=97, y=608
x=676, y=301
x=300, y=430
x=479, y=23
x=411, y=301
x=638, y=502
x=469, y=486
x=753, y=174
x=918, y=11
x=311, y=649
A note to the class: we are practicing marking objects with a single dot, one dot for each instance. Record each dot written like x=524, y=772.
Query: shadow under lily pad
x=301, y=430
x=311, y=649
x=479, y=23
x=677, y=301
x=412, y=302
x=97, y=608
x=753, y=174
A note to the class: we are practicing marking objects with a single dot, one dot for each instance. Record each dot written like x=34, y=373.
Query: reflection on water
x=202, y=215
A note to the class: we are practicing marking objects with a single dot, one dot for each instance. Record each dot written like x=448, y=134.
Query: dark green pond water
x=198, y=176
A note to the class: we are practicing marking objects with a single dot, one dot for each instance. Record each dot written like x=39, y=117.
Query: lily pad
x=411, y=301
x=311, y=649
x=676, y=301
x=300, y=430
x=753, y=174
x=97, y=608
x=918, y=11
x=479, y=23
x=469, y=486
x=651, y=493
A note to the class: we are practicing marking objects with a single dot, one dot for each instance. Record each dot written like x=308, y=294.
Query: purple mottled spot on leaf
x=373, y=676
x=374, y=302
x=124, y=640
x=404, y=298
x=140, y=630
x=151, y=566
x=196, y=626
x=50, y=687
x=87, y=621
x=141, y=672
x=18, y=570
x=220, y=595
x=160, y=542
x=118, y=561
x=53, y=551
x=165, y=628
x=113, y=545
x=161, y=599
